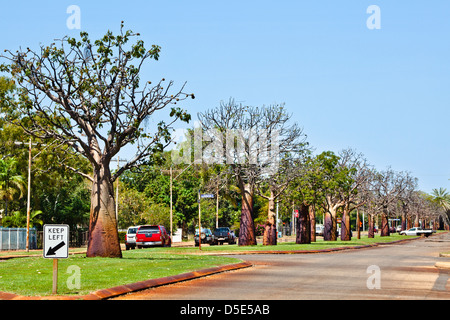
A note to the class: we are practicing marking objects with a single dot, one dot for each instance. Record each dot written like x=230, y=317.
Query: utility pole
x=28, y=197
x=199, y=223
x=29, y=185
x=117, y=190
x=217, y=205
x=170, y=172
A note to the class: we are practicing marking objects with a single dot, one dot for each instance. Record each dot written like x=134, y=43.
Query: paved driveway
x=398, y=271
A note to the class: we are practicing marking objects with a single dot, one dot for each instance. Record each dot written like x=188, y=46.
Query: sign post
x=56, y=246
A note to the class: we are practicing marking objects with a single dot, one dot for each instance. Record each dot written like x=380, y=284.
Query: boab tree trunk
x=371, y=232
x=346, y=233
x=303, y=225
x=312, y=218
x=384, y=225
x=103, y=234
x=327, y=226
x=270, y=228
x=329, y=232
x=247, y=235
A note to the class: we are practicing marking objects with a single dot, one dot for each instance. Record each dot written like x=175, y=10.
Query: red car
x=150, y=236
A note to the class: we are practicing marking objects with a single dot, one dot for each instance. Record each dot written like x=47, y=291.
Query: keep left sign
x=56, y=241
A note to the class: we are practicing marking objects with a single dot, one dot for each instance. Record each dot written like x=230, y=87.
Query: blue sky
x=382, y=92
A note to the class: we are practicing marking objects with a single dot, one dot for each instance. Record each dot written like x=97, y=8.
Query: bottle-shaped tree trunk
x=103, y=233
x=270, y=228
x=247, y=235
x=371, y=232
x=303, y=225
x=346, y=232
x=384, y=225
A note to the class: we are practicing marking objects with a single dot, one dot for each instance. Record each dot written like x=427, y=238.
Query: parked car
x=319, y=229
x=398, y=228
x=224, y=234
x=130, y=238
x=150, y=236
x=416, y=231
x=206, y=236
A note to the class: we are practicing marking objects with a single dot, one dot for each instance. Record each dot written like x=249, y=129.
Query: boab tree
x=388, y=187
x=226, y=128
x=90, y=97
x=285, y=166
x=353, y=194
x=255, y=142
x=333, y=179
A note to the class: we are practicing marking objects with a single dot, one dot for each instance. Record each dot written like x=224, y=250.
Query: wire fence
x=16, y=239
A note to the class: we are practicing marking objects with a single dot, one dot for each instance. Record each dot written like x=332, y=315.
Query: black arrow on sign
x=52, y=251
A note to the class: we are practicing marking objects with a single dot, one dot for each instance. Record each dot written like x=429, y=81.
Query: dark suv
x=206, y=237
x=224, y=234
x=150, y=236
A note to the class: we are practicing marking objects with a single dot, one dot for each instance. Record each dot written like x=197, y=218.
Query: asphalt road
x=397, y=271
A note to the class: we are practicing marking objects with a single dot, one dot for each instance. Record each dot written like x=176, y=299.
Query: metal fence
x=77, y=238
x=16, y=239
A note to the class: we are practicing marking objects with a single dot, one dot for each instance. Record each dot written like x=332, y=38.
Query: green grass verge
x=289, y=246
x=33, y=276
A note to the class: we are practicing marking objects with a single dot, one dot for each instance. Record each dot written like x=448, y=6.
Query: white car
x=130, y=238
x=416, y=231
x=319, y=229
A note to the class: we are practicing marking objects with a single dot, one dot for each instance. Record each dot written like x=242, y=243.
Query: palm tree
x=442, y=198
x=18, y=219
x=11, y=182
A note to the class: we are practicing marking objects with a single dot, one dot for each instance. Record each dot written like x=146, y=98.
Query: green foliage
x=158, y=214
x=441, y=197
x=11, y=182
x=66, y=201
x=18, y=219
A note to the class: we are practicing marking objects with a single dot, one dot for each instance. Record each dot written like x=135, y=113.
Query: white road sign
x=56, y=241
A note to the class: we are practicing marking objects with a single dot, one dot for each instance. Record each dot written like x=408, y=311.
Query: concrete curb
x=443, y=265
x=310, y=251
x=133, y=287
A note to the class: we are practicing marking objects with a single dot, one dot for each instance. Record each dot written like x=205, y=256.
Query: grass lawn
x=33, y=276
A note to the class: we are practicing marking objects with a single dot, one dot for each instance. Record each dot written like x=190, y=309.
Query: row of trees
x=334, y=184
x=83, y=101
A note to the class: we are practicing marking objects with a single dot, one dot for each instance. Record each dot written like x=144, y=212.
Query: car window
x=132, y=230
x=148, y=229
